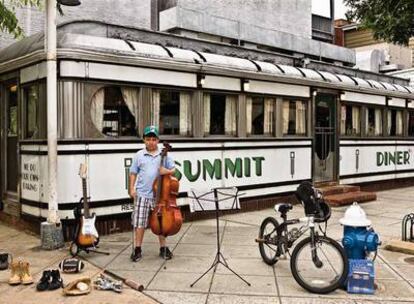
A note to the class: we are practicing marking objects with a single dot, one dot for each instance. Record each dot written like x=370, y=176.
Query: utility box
x=361, y=276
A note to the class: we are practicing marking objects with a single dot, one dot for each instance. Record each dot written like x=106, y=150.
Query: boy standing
x=144, y=170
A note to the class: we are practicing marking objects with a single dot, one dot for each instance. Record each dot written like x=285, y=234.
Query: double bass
x=165, y=218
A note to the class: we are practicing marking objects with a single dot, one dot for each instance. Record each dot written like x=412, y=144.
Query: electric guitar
x=88, y=235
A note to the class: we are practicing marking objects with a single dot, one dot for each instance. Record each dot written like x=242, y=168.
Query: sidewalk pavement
x=194, y=248
x=27, y=246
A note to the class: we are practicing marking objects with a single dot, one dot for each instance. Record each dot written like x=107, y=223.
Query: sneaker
x=57, y=281
x=137, y=255
x=5, y=259
x=165, y=253
x=43, y=283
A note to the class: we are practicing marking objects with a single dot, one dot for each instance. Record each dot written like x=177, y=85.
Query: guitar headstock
x=83, y=170
x=167, y=147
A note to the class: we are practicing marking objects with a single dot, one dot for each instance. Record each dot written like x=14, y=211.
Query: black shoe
x=57, y=281
x=137, y=255
x=44, y=281
x=165, y=253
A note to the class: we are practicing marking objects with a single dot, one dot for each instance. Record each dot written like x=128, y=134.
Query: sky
x=321, y=7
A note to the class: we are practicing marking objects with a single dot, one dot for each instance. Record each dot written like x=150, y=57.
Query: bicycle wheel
x=324, y=275
x=269, y=247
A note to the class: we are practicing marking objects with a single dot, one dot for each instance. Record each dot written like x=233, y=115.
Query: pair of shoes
x=137, y=255
x=106, y=283
x=50, y=280
x=165, y=253
x=5, y=259
x=20, y=273
x=78, y=287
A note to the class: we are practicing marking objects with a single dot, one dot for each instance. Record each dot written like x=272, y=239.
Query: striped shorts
x=142, y=208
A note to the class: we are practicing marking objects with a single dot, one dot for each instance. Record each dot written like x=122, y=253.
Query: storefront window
x=294, y=117
x=374, y=121
x=114, y=111
x=220, y=114
x=172, y=112
x=411, y=123
x=12, y=111
x=350, y=120
x=260, y=115
x=31, y=117
x=394, y=123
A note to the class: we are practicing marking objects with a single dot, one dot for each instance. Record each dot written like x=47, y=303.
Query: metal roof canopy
x=145, y=50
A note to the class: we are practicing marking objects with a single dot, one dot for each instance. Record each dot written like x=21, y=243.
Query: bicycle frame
x=309, y=224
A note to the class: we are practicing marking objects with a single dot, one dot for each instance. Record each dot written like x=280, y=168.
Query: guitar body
x=87, y=236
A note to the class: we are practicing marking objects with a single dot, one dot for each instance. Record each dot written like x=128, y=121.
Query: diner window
x=260, y=115
x=350, y=120
x=12, y=111
x=411, y=123
x=31, y=117
x=220, y=112
x=294, y=117
x=394, y=122
x=114, y=111
x=172, y=112
x=374, y=121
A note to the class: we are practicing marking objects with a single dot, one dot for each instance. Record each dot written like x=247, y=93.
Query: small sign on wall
x=30, y=179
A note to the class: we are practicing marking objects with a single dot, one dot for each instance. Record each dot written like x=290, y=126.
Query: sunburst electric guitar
x=88, y=235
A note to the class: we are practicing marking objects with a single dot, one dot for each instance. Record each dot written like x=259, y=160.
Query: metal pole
x=52, y=110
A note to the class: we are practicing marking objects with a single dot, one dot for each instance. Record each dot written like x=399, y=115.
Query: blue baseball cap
x=151, y=130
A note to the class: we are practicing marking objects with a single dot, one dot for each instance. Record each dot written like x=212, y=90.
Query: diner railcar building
x=257, y=121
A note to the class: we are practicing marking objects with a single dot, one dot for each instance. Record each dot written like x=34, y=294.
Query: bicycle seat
x=283, y=207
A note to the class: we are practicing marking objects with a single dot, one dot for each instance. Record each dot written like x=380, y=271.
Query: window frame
x=409, y=110
x=307, y=116
x=404, y=127
x=192, y=107
x=362, y=119
x=225, y=93
x=41, y=113
x=91, y=130
x=264, y=96
x=374, y=106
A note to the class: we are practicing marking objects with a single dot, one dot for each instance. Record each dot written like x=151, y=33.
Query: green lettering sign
x=188, y=172
x=393, y=158
x=399, y=158
x=258, y=164
x=406, y=157
x=380, y=159
x=233, y=167
x=247, y=167
x=177, y=172
x=213, y=170
x=238, y=167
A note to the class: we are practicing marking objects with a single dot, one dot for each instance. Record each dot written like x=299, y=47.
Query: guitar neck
x=85, y=199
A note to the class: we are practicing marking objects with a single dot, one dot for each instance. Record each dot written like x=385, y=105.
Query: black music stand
x=219, y=259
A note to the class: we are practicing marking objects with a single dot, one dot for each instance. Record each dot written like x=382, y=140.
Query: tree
x=8, y=20
x=390, y=20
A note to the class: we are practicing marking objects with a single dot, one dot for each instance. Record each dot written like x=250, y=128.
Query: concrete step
x=324, y=184
x=337, y=189
x=348, y=198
